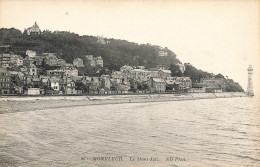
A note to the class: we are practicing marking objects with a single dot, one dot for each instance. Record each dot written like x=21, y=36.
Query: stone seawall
x=21, y=104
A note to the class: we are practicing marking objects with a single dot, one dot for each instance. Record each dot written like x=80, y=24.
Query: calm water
x=210, y=132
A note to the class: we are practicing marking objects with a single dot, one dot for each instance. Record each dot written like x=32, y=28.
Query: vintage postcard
x=129, y=83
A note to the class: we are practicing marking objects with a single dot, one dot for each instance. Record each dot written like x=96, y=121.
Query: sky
x=215, y=36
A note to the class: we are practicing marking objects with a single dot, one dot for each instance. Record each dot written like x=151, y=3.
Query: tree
x=175, y=69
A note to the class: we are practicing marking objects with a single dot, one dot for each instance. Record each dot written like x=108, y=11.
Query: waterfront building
x=18, y=90
x=78, y=62
x=212, y=85
x=156, y=85
x=105, y=83
x=5, y=81
x=54, y=83
x=185, y=83
x=45, y=80
x=19, y=79
x=33, y=30
x=250, y=90
x=69, y=86
x=33, y=91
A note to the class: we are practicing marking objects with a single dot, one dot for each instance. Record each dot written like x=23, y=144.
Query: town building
x=33, y=30
x=32, y=91
x=70, y=71
x=212, y=85
x=55, y=73
x=105, y=83
x=185, y=83
x=30, y=53
x=164, y=74
x=54, y=83
x=5, y=60
x=156, y=85
x=99, y=61
x=95, y=61
x=5, y=81
x=38, y=60
x=69, y=86
x=16, y=60
x=140, y=75
x=44, y=80
x=51, y=59
x=32, y=70
x=78, y=62
x=27, y=61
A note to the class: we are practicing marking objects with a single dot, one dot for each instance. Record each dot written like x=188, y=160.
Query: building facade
x=33, y=30
x=157, y=85
x=5, y=81
x=5, y=60
x=78, y=62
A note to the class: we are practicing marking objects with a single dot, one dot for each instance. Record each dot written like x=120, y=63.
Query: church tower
x=250, y=81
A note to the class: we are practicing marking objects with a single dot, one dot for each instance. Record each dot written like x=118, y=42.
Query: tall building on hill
x=33, y=30
x=250, y=90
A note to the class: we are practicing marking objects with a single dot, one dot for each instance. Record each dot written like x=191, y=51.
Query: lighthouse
x=250, y=90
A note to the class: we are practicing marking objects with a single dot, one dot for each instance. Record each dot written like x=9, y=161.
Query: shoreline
x=29, y=103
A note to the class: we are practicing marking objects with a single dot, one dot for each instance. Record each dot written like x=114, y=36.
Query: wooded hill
x=114, y=52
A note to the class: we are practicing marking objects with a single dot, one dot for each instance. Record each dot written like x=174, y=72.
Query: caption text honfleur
x=133, y=158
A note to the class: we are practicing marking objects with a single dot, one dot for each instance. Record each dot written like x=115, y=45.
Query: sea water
x=206, y=132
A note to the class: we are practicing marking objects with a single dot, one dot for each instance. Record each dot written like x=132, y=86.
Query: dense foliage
x=69, y=46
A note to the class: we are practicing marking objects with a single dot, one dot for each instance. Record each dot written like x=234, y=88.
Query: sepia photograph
x=113, y=83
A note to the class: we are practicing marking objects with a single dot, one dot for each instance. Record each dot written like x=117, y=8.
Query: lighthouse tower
x=250, y=81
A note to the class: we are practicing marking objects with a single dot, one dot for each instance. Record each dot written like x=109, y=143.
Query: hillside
x=114, y=52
